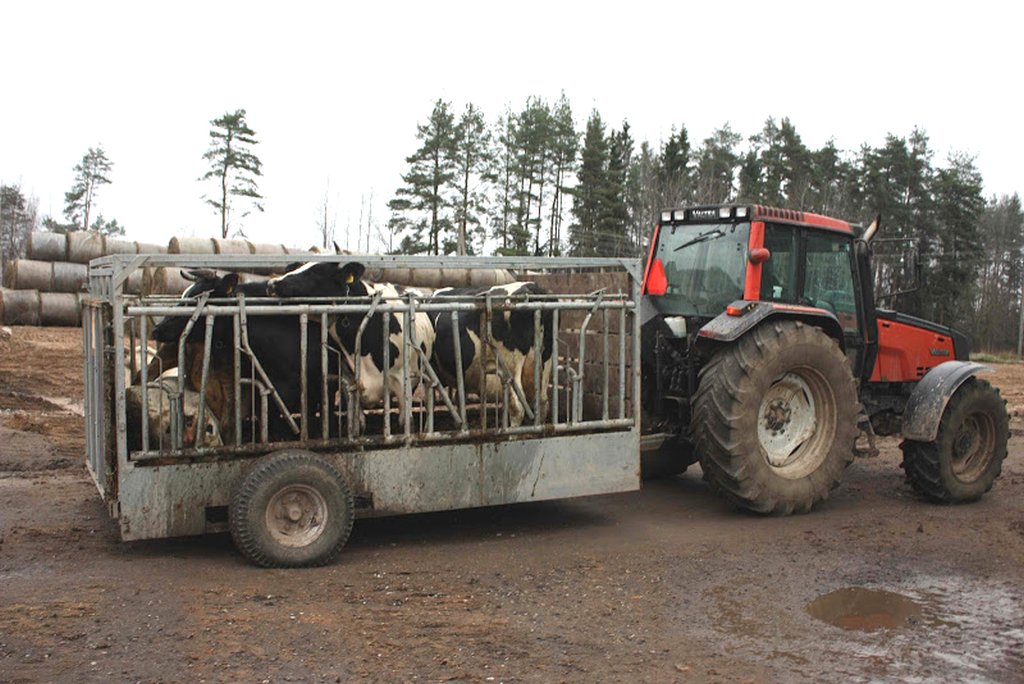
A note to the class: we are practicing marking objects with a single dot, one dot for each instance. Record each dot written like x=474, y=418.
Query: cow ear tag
x=349, y=279
x=231, y=289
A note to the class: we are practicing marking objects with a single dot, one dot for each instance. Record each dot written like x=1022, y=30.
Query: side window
x=778, y=274
x=828, y=283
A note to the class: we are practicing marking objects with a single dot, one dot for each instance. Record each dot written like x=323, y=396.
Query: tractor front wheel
x=775, y=418
x=967, y=455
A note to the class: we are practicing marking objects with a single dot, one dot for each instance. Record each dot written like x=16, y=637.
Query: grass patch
x=1000, y=357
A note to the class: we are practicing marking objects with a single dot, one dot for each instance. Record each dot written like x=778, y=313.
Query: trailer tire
x=967, y=455
x=775, y=418
x=292, y=509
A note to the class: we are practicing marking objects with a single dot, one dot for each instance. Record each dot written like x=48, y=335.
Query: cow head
x=320, y=279
x=203, y=281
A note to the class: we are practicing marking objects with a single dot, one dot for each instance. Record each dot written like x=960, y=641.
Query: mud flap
x=929, y=398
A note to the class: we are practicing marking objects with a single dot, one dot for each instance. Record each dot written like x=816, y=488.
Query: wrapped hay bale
x=60, y=309
x=187, y=245
x=84, y=246
x=26, y=274
x=46, y=276
x=44, y=246
x=68, y=277
x=232, y=246
x=149, y=248
x=19, y=307
x=115, y=246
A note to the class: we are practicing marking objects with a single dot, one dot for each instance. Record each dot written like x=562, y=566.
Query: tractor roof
x=739, y=212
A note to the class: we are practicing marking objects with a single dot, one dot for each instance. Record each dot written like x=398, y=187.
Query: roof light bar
x=666, y=217
x=724, y=212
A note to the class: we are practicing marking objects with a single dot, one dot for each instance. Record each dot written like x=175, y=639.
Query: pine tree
x=588, y=195
x=90, y=173
x=614, y=237
x=233, y=165
x=422, y=208
x=717, y=163
x=18, y=218
x=472, y=145
x=564, y=144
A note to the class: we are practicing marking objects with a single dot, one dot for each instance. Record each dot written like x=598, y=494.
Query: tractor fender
x=729, y=327
x=924, y=408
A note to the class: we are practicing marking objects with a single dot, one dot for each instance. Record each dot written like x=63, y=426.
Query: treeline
x=531, y=183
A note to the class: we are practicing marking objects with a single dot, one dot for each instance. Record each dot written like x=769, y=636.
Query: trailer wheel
x=775, y=418
x=293, y=509
x=967, y=455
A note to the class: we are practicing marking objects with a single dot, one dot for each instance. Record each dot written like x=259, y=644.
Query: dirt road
x=668, y=584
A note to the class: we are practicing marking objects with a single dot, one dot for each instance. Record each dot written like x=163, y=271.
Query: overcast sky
x=335, y=92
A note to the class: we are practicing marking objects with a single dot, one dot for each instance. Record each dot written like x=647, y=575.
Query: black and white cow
x=513, y=337
x=333, y=279
x=275, y=341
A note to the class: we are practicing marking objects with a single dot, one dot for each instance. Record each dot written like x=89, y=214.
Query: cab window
x=828, y=282
x=778, y=274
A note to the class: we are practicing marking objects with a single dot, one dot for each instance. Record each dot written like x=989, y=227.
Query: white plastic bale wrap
x=188, y=245
x=84, y=246
x=27, y=274
x=68, y=277
x=60, y=309
x=19, y=307
x=232, y=246
x=46, y=246
x=150, y=248
x=115, y=246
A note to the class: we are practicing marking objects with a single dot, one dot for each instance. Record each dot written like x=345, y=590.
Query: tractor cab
x=718, y=271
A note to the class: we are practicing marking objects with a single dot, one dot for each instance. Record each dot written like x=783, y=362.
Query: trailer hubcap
x=786, y=420
x=296, y=515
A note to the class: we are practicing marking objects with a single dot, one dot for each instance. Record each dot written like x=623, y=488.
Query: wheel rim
x=973, y=447
x=796, y=423
x=296, y=515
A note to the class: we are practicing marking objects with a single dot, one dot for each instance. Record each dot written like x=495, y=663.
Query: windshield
x=705, y=265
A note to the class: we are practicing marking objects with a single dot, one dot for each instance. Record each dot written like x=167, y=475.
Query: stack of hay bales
x=46, y=287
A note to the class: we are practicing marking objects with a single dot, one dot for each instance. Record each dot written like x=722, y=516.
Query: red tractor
x=765, y=357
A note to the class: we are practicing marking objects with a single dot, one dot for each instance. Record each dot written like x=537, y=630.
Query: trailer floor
x=668, y=584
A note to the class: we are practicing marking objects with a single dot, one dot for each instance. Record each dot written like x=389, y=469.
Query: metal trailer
x=452, y=447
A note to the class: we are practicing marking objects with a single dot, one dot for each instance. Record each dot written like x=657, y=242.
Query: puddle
x=866, y=610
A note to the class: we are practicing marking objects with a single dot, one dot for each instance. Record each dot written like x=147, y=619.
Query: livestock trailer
x=187, y=450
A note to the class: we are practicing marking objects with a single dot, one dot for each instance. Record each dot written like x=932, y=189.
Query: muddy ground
x=666, y=584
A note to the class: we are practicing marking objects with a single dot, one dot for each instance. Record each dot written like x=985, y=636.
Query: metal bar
x=325, y=405
x=622, y=360
x=636, y=355
x=201, y=413
x=355, y=405
x=485, y=325
x=407, y=340
x=576, y=304
x=387, y=372
x=578, y=390
x=258, y=367
x=555, y=366
x=459, y=375
x=144, y=382
x=538, y=353
x=236, y=354
x=604, y=367
x=303, y=377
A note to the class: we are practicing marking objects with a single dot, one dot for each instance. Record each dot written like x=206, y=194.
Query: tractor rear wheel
x=967, y=455
x=775, y=418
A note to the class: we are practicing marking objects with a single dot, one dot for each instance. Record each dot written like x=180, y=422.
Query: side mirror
x=759, y=255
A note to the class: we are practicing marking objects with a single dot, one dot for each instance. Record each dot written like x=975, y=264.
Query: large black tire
x=775, y=418
x=967, y=455
x=293, y=509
